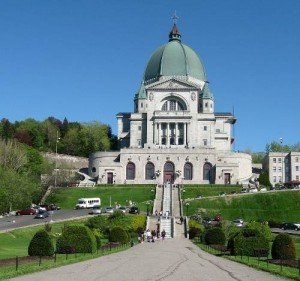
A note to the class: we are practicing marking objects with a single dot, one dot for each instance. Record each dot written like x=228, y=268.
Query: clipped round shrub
x=76, y=237
x=215, y=236
x=118, y=234
x=97, y=235
x=249, y=241
x=283, y=247
x=41, y=244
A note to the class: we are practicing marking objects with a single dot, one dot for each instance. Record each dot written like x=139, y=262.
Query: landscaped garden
x=37, y=248
x=254, y=245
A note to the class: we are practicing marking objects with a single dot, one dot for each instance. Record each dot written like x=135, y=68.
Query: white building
x=283, y=167
x=174, y=133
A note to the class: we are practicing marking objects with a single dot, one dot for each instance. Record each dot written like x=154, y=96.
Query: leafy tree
x=264, y=179
x=277, y=147
x=6, y=129
x=50, y=131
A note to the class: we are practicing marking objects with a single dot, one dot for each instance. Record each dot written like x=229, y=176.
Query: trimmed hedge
x=214, y=236
x=41, y=244
x=283, y=247
x=247, y=241
x=76, y=238
x=118, y=234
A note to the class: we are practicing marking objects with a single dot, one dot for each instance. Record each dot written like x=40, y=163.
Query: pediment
x=173, y=84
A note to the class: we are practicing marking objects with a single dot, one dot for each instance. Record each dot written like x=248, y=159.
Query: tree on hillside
x=264, y=179
x=257, y=157
x=6, y=129
x=277, y=147
x=12, y=156
x=50, y=131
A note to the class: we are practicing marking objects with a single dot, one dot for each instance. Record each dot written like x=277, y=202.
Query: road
x=12, y=222
x=170, y=260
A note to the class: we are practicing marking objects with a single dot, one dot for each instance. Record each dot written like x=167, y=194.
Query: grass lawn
x=277, y=206
x=192, y=191
x=15, y=243
x=67, y=198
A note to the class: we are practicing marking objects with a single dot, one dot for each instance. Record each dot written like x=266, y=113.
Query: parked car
x=109, y=210
x=28, y=211
x=199, y=196
x=290, y=226
x=238, y=222
x=134, y=210
x=41, y=215
x=122, y=209
x=39, y=208
x=96, y=210
x=50, y=207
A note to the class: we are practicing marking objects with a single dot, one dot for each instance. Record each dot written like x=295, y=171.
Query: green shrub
x=41, y=244
x=78, y=237
x=215, y=236
x=118, y=234
x=263, y=229
x=116, y=215
x=283, y=247
x=97, y=235
x=138, y=222
x=97, y=222
x=195, y=229
x=247, y=241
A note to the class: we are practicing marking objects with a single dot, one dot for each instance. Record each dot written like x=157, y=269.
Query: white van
x=84, y=203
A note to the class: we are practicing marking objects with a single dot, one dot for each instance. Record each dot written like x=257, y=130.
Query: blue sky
x=84, y=60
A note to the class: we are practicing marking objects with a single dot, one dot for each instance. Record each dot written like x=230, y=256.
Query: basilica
x=174, y=134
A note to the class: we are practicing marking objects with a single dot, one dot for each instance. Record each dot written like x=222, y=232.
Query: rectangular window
x=274, y=160
x=279, y=169
x=205, y=142
x=218, y=130
x=205, y=128
x=296, y=159
x=274, y=179
x=274, y=169
x=297, y=178
x=279, y=179
x=297, y=168
x=139, y=142
x=140, y=128
x=279, y=160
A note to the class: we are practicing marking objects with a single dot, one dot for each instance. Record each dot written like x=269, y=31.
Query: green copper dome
x=174, y=59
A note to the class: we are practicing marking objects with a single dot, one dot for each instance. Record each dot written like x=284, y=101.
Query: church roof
x=206, y=93
x=174, y=59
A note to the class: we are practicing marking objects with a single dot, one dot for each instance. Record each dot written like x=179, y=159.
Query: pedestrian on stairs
x=163, y=235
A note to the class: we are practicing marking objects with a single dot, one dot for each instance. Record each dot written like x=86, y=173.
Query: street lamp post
x=55, y=173
x=147, y=208
x=187, y=208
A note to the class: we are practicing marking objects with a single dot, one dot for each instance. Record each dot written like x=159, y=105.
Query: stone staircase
x=167, y=201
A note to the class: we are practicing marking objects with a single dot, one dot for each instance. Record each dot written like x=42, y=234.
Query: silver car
x=109, y=210
x=96, y=210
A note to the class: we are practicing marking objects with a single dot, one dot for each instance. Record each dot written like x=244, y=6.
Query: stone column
x=158, y=133
x=168, y=134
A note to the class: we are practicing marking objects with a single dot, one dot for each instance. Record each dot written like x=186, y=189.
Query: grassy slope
x=15, y=243
x=67, y=197
x=279, y=206
x=191, y=191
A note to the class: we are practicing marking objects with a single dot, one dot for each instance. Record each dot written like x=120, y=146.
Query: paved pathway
x=173, y=259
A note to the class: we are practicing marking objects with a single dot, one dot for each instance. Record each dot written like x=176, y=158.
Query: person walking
x=163, y=235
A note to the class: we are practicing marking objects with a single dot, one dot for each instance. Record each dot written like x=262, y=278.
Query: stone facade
x=174, y=133
x=282, y=167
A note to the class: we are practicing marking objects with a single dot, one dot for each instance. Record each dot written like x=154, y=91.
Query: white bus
x=84, y=203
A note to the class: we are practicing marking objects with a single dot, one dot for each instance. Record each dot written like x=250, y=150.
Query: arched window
x=207, y=171
x=173, y=105
x=149, y=171
x=130, y=171
x=188, y=171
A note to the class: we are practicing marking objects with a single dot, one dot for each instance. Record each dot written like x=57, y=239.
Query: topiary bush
x=214, y=236
x=41, y=244
x=195, y=229
x=283, y=247
x=78, y=237
x=118, y=234
x=97, y=235
x=247, y=241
